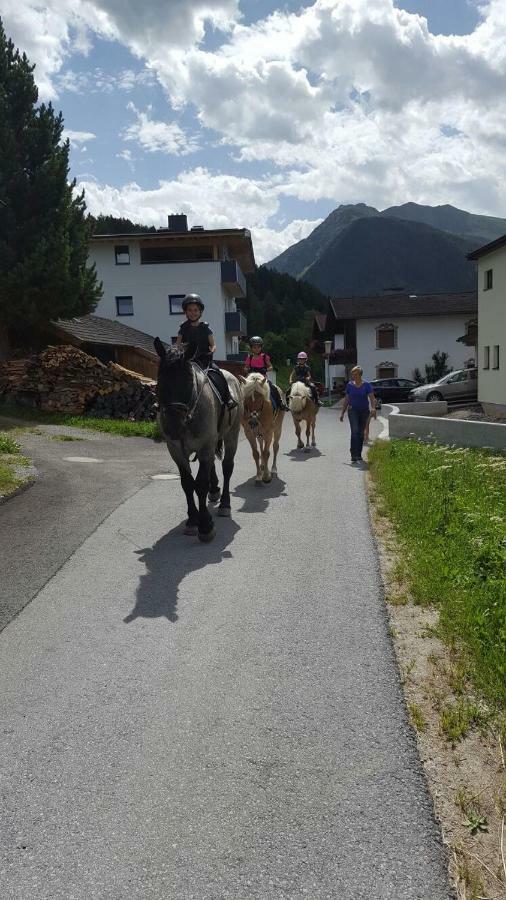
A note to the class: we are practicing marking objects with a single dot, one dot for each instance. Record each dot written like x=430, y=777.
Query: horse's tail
x=299, y=396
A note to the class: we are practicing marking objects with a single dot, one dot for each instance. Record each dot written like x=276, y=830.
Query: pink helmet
x=302, y=355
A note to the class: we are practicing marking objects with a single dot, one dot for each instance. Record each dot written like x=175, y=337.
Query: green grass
x=457, y=719
x=10, y=461
x=448, y=506
x=110, y=426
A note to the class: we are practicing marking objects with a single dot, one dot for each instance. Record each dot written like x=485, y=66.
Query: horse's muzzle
x=253, y=421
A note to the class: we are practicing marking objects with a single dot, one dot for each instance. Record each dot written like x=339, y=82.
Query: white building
x=392, y=335
x=145, y=277
x=492, y=326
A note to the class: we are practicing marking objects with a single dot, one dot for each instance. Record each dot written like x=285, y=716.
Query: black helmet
x=193, y=298
x=256, y=340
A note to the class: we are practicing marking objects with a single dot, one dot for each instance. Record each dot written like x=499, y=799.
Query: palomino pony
x=262, y=425
x=193, y=421
x=302, y=406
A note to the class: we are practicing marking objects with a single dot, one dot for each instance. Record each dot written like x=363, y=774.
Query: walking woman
x=359, y=394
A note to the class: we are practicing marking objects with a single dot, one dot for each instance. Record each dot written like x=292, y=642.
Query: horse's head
x=174, y=388
x=256, y=394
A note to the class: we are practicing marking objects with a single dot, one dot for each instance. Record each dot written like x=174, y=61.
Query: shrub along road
x=223, y=720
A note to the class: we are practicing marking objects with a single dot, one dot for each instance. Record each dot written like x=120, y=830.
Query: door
x=405, y=386
x=456, y=386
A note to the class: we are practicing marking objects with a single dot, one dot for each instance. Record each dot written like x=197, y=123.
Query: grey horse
x=193, y=421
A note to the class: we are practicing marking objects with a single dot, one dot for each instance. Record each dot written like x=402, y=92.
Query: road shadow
x=299, y=455
x=256, y=497
x=169, y=561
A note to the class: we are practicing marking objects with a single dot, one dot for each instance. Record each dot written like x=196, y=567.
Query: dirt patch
x=474, y=413
x=459, y=738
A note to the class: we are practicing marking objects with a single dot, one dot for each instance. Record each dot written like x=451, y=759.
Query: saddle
x=218, y=384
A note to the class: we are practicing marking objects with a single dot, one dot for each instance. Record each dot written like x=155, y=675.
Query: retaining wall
x=461, y=432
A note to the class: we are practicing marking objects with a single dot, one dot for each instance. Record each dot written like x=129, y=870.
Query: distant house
x=393, y=334
x=491, y=261
x=145, y=277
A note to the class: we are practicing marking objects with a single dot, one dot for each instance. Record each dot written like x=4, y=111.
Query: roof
x=321, y=321
x=238, y=240
x=95, y=330
x=394, y=305
x=488, y=248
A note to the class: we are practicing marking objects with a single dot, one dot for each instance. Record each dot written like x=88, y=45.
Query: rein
x=188, y=409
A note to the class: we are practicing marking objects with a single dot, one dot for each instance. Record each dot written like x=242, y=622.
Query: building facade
x=491, y=261
x=392, y=335
x=146, y=276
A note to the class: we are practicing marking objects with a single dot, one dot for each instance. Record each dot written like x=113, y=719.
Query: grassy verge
x=448, y=507
x=10, y=463
x=110, y=426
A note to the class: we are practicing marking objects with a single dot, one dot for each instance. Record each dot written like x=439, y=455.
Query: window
x=175, y=301
x=495, y=359
x=124, y=306
x=154, y=254
x=386, y=370
x=386, y=337
x=459, y=376
x=488, y=280
x=486, y=357
x=122, y=254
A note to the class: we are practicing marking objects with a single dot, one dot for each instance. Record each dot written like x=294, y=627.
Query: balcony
x=343, y=357
x=232, y=279
x=235, y=322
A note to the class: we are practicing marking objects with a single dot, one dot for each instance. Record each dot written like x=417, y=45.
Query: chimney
x=178, y=222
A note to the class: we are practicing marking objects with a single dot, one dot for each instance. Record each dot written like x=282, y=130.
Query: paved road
x=222, y=721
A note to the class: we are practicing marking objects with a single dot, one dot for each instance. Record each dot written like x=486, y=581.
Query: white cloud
x=158, y=137
x=77, y=138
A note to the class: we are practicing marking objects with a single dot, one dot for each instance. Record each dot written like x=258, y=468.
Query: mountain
x=481, y=229
x=303, y=254
x=377, y=253
x=360, y=250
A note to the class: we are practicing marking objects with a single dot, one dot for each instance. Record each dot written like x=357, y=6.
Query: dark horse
x=194, y=421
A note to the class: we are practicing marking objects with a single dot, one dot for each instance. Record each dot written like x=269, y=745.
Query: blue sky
x=269, y=114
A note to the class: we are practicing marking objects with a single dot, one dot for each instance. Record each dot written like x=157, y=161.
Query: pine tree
x=44, y=231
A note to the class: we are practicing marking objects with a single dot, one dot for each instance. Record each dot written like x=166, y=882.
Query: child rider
x=200, y=338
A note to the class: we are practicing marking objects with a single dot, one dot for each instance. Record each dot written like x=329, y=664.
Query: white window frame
x=387, y=365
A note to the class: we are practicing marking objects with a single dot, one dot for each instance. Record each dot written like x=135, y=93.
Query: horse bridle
x=187, y=409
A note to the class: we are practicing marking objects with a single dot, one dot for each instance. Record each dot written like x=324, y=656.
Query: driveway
x=214, y=721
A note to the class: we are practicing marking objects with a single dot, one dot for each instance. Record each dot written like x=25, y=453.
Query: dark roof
x=95, y=330
x=488, y=248
x=393, y=305
x=238, y=241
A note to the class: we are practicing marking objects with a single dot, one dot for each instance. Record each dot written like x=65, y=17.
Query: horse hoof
x=191, y=530
x=258, y=482
x=307, y=449
x=207, y=537
x=213, y=498
x=225, y=511
x=313, y=444
x=267, y=480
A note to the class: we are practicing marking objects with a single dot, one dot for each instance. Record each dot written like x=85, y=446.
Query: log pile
x=64, y=379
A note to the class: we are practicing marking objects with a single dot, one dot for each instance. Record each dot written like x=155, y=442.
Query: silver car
x=459, y=385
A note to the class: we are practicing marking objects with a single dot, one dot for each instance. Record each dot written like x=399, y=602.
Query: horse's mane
x=299, y=395
x=256, y=384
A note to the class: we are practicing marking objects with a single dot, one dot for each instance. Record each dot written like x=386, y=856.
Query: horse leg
x=307, y=448
x=266, y=475
x=206, y=528
x=313, y=426
x=214, y=487
x=275, y=448
x=256, y=456
x=297, y=432
x=188, y=485
x=228, y=468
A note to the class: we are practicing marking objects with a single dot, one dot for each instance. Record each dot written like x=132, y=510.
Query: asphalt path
x=195, y=722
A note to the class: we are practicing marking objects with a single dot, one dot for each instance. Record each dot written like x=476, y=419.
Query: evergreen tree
x=104, y=224
x=44, y=230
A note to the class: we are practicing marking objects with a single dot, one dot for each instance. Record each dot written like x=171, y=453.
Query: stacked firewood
x=64, y=379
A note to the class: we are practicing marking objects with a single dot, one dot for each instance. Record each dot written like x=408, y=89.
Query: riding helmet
x=302, y=355
x=256, y=340
x=193, y=298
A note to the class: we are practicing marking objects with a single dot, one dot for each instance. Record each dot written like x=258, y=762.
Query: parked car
x=459, y=385
x=392, y=389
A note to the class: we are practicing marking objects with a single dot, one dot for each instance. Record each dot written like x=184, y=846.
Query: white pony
x=302, y=406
